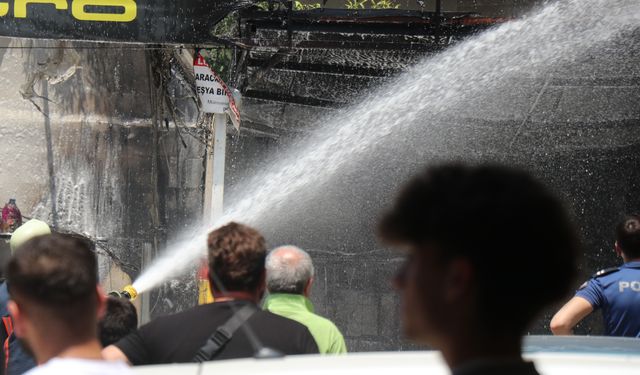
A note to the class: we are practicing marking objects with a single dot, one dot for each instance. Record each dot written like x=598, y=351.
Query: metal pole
x=219, y=161
x=145, y=298
x=48, y=136
x=214, y=189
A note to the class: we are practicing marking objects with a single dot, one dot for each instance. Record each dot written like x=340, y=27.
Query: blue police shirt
x=617, y=293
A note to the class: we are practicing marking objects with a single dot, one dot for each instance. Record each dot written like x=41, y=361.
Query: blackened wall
x=122, y=175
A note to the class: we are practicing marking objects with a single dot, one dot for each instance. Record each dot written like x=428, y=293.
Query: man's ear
x=17, y=317
x=617, y=249
x=101, y=308
x=307, y=288
x=458, y=279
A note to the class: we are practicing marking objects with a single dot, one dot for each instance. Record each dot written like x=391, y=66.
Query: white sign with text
x=212, y=95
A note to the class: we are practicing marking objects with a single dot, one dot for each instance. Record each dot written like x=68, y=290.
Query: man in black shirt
x=237, y=276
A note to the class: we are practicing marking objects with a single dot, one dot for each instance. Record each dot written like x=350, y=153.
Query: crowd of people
x=471, y=235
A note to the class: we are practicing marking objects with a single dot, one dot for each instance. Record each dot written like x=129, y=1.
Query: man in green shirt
x=289, y=278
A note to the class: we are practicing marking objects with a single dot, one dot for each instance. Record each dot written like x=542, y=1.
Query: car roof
x=551, y=355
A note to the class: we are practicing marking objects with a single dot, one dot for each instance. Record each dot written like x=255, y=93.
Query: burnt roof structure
x=296, y=65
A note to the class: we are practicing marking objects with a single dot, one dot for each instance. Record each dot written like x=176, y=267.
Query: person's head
x=55, y=297
x=289, y=270
x=120, y=319
x=236, y=259
x=27, y=231
x=628, y=237
x=489, y=247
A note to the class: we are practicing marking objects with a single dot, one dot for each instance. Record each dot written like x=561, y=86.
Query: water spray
x=455, y=81
x=128, y=292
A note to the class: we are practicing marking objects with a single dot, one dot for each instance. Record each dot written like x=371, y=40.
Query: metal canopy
x=300, y=65
x=348, y=29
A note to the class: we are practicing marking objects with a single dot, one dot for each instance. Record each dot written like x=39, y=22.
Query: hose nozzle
x=128, y=292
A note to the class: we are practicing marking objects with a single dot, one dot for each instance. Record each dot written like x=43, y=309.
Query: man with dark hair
x=119, y=320
x=614, y=290
x=55, y=305
x=230, y=327
x=488, y=248
x=13, y=358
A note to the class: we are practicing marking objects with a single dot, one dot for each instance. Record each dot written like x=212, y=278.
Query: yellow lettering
x=20, y=6
x=129, y=6
x=4, y=9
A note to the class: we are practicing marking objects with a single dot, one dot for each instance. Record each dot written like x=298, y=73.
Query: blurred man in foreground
x=487, y=248
x=289, y=279
x=614, y=290
x=214, y=331
x=55, y=305
x=13, y=358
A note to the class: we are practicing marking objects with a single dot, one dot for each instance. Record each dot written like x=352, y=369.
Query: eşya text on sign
x=209, y=90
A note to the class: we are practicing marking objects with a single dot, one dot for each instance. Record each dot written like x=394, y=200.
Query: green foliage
x=219, y=60
x=349, y=4
x=228, y=27
x=355, y=4
x=384, y=4
x=371, y=4
x=299, y=5
x=262, y=5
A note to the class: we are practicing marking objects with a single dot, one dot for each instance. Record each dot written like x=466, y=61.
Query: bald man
x=289, y=279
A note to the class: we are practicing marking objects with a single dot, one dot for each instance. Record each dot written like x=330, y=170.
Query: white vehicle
x=584, y=355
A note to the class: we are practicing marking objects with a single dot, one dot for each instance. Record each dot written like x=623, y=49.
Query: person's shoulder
x=325, y=323
x=595, y=279
x=605, y=272
x=193, y=314
x=284, y=334
x=271, y=319
x=631, y=268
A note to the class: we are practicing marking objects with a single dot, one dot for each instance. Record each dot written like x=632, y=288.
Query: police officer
x=614, y=290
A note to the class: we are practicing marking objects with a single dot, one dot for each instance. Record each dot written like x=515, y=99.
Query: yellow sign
x=122, y=10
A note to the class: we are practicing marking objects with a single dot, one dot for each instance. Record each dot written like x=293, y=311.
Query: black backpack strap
x=224, y=333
